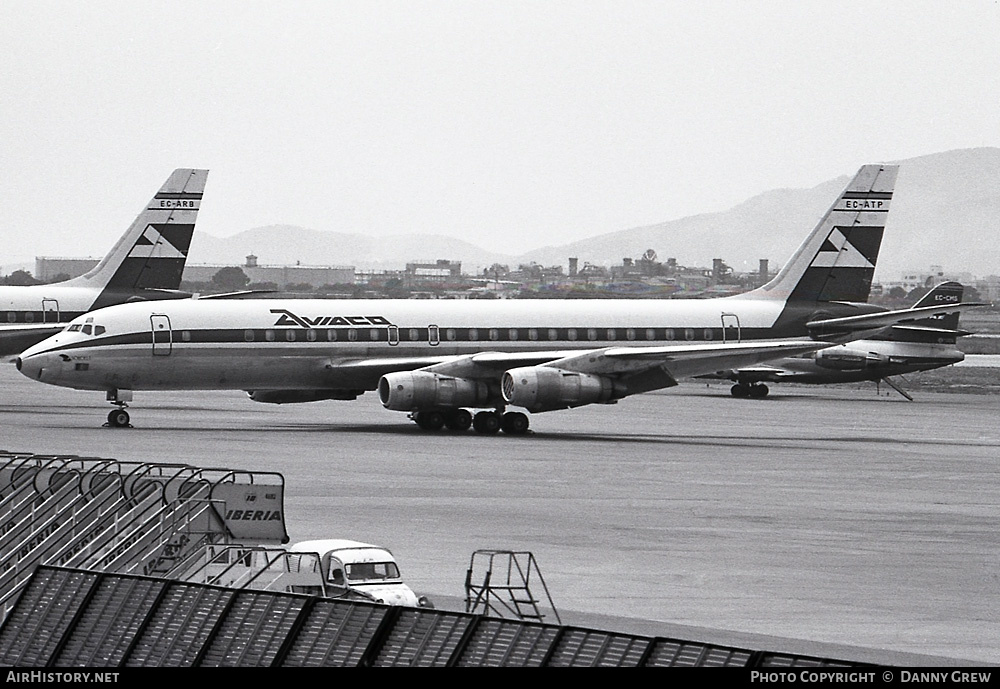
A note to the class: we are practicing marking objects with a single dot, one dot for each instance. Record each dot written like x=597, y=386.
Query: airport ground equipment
x=507, y=577
x=332, y=568
x=112, y=516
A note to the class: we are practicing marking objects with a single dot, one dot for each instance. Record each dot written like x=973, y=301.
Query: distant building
x=280, y=275
x=48, y=267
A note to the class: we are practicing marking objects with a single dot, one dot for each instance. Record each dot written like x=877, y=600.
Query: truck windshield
x=372, y=571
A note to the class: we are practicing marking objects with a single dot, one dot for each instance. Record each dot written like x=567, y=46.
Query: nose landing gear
x=119, y=418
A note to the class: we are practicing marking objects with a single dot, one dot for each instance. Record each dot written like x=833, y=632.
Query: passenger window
x=248, y=335
x=269, y=335
x=553, y=334
x=11, y=317
x=630, y=334
x=591, y=333
x=473, y=335
x=450, y=334
x=650, y=334
x=331, y=335
x=290, y=335
x=532, y=334
x=571, y=334
x=707, y=334
x=352, y=335
x=185, y=334
x=311, y=335
x=494, y=334
x=414, y=334
x=512, y=333
x=611, y=334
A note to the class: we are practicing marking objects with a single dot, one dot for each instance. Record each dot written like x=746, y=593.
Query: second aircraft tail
x=152, y=253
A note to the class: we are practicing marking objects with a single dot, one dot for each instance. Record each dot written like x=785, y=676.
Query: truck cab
x=369, y=571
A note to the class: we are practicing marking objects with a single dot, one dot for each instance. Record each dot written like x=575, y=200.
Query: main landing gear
x=755, y=391
x=484, y=422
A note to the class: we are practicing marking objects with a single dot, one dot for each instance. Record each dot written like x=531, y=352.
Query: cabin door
x=730, y=327
x=162, y=336
x=50, y=311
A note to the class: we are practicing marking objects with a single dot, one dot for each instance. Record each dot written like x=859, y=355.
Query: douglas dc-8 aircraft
x=438, y=358
x=145, y=263
x=921, y=345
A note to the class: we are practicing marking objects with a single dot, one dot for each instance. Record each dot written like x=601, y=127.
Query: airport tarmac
x=819, y=514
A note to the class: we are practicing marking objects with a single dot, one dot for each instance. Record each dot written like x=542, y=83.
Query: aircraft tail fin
x=152, y=253
x=940, y=329
x=837, y=260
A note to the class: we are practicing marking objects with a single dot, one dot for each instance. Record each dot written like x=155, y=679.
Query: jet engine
x=421, y=390
x=543, y=388
x=843, y=358
x=297, y=396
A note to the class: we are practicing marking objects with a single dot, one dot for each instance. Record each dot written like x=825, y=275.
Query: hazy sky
x=512, y=124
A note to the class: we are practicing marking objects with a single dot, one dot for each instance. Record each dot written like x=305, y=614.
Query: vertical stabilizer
x=152, y=253
x=941, y=329
x=837, y=261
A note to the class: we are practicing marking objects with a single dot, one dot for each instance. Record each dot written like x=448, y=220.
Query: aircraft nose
x=31, y=366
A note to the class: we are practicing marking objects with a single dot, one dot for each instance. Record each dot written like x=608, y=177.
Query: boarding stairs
x=111, y=516
x=507, y=578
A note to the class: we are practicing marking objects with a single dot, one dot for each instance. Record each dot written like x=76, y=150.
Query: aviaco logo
x=289, y=318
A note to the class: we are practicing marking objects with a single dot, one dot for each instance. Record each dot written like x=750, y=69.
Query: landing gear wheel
x=458, y=420
x=514, y=423
x=758, y=391
x=486, y=422
x=430, y=420
x=740, y=390
x=118, y=418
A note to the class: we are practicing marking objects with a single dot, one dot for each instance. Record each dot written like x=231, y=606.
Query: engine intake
x=423, y=390
x=543, y=388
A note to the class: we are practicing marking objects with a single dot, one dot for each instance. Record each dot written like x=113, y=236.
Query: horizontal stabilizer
x=924, y=330
x=870, y=322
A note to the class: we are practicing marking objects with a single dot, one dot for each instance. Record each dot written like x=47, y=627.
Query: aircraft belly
x=206, y=370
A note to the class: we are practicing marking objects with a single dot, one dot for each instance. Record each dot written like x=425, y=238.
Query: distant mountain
x=945, y=212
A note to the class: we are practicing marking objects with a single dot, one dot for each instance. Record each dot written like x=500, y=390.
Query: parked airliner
x=921, y=345
x=145, y=263
x=436, y=359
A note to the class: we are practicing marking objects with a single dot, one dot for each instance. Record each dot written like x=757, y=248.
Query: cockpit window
x=73, y=328
x=86, y=329
x=99, y=329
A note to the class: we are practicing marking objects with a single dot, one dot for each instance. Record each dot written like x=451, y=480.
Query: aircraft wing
x=663, y=364
x=16, y=337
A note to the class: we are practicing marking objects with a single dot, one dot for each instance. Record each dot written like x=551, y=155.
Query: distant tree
x=59, y=277
x=273, y=286
x=230, y=279
x=897, y=293
x=298, y=287
x=21, y=278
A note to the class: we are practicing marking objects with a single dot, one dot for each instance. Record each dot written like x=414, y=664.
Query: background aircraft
x=145, y=263
x=920, y=345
